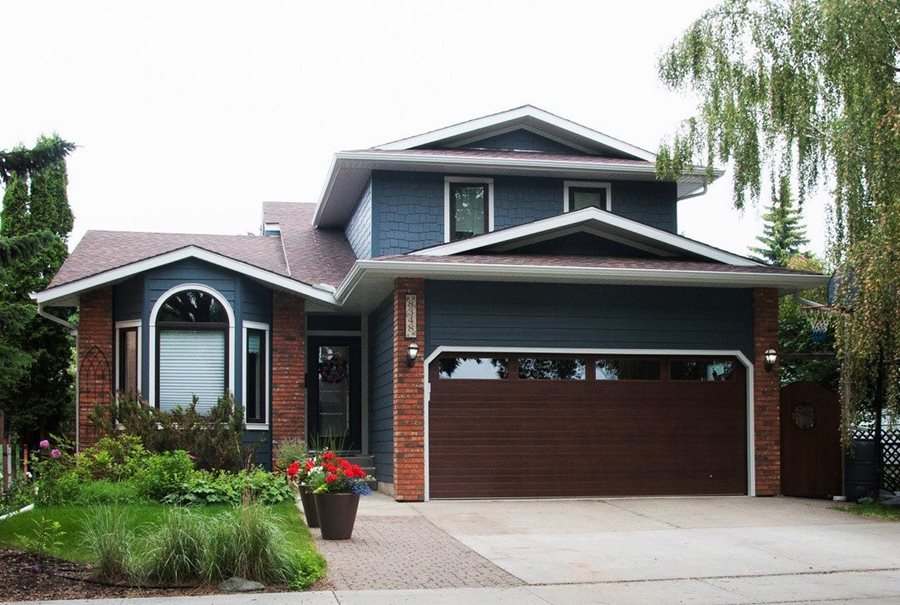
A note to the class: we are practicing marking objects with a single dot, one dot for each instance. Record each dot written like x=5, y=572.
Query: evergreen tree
x=35, y=354
x=809, y=90
x=783, y=232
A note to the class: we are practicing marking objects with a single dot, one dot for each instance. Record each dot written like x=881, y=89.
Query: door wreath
x=333, y=370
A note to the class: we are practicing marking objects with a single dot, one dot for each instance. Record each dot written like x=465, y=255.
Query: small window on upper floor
x=468, y=207
x=580, y=195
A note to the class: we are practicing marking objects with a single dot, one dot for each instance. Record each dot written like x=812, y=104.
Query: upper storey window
x=580, y=195
x=468, y=207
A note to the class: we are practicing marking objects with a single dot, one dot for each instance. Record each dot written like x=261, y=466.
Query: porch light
x=412, y=351
x=771, y=356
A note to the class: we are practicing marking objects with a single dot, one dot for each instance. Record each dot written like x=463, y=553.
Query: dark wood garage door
x=514, y=425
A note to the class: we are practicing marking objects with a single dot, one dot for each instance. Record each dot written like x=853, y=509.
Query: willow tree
x=809, y=90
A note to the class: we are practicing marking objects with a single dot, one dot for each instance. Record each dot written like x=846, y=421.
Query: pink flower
x=44, y=444
x=54, y=453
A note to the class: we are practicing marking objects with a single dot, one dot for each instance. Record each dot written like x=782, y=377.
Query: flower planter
x=337, y=514
x=309, y=506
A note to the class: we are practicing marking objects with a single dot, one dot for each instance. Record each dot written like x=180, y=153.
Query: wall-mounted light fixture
x=412, y=352
x=770, y=357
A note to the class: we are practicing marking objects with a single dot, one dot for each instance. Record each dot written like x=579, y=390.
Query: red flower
x=310, y=464
x=331, y=478
x=293, y=469
x=328, y=455
x=329, y=467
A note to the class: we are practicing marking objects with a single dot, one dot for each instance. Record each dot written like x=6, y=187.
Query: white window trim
x=586, y=185
x=155, y=311
x=750, y=433
x=255, y=325
x=120, y=325
x=474, y=180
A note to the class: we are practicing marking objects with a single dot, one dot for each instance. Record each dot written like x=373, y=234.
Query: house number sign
x=410, y=315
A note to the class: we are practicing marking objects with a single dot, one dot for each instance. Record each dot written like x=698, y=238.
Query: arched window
x=192, y=327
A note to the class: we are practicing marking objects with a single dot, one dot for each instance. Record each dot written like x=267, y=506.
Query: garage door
x=514, y=425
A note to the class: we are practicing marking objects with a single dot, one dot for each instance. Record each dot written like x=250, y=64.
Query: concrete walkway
x=676, y=550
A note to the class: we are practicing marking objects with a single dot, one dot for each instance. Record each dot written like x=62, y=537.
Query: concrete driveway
x=727, y=550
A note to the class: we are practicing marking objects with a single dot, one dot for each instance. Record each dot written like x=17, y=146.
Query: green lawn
x=873, y=510
x=145, y=516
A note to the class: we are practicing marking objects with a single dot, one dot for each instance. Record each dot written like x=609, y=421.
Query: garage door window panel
x=627, y=369
x=716, y=370
x=473, y=368
x=536, y=368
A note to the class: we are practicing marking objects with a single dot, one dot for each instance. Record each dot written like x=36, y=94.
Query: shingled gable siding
x=408, y=207
x=381, y=390
x=359, y=229
x=409, y=396
x=522, y=140
x=288, y=368
x=588, y=316
x=95, y=359
x=766, y=394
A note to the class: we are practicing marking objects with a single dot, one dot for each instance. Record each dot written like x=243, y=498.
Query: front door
x=335, y=409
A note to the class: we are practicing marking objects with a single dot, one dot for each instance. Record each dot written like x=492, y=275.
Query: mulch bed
x=24, y=577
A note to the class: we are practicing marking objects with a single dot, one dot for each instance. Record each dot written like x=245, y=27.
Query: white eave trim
x=604, y=275
x=568, y=219
x=120, y=273
x=502, y=118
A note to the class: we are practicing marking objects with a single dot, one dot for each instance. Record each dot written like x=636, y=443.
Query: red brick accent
x=288, y=368
x=409, y=396
x=96, y=362
x=766, y=394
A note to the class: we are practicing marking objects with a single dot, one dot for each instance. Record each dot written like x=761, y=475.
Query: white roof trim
x=604, y=275
x=120, y=273
x=514, y=114
x=581, y=216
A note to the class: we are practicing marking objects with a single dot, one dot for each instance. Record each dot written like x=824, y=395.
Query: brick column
x=409, y=395
x=766, y=394
x=288, y=368
x=96, y=360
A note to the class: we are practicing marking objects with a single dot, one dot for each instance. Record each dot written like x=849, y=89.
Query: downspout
x=73, y=329
x=694, y=194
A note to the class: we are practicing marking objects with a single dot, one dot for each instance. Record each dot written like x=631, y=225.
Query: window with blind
x=192, y=351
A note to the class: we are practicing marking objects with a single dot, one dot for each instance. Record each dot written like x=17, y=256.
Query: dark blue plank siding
x=381, y=389
x=587, y=316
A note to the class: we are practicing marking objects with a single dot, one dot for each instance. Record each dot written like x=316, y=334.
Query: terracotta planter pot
x=309, y=506
x=337, y=514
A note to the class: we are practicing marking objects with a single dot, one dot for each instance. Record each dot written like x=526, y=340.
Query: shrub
x=163, y=474
x=256, y=486
x=114, y=458
x=174, y=551
x=288, y=451
x=215, y=438
x=108, y=540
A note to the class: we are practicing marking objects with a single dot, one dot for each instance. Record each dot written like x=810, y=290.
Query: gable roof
x=603, y=157
x=526, y=117
x=603, y=224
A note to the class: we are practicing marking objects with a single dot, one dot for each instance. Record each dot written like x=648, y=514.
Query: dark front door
x=810, y=441
x=335, y=411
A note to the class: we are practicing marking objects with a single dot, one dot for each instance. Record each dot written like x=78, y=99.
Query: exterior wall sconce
x=412, y=352
x=770, y=356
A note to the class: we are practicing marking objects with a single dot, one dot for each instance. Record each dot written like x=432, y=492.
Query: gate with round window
x=810, y=441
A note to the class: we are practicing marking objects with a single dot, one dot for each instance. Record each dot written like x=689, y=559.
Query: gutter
x=562, y=274
x=72, y=328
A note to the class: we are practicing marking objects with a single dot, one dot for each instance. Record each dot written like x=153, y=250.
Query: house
x=499, y=308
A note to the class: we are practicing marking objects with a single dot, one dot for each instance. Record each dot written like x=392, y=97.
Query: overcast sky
x=189, y=114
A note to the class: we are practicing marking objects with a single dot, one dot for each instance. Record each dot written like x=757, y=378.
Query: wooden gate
x=810, y=441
